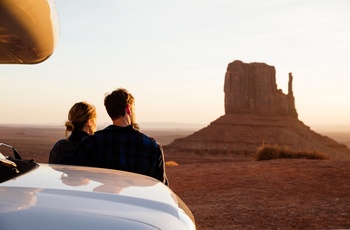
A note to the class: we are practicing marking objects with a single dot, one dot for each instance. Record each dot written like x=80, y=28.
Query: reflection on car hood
x=88, y=198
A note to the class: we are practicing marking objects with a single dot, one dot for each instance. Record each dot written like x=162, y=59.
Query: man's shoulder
x=100, y=132
x=108, y=129
x=129, y=130
x=149, y=138
x=103, y=133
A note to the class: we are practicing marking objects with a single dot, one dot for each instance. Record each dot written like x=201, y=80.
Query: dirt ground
x=237, y=193
x=275, y=194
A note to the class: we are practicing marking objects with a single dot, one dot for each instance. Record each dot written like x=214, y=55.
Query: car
x=52, y=196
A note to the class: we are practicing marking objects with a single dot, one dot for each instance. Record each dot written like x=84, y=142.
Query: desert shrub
x=171, y=163
x=269, y=152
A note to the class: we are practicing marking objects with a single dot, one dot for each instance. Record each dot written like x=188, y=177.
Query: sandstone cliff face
x=256, y=112
x=251, y=88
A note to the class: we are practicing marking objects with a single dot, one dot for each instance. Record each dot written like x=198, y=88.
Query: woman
x=81, y=122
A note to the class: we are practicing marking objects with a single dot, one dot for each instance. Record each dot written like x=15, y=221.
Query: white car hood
x=72, y=197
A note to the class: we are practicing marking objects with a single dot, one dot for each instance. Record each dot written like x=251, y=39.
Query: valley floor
x=276, y=194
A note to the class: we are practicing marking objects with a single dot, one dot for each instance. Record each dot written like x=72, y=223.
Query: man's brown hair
x=116, y=102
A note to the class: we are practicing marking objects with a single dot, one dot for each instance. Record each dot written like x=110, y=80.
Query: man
x=121, y=145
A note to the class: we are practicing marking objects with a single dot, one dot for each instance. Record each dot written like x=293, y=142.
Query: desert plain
x=234, y=192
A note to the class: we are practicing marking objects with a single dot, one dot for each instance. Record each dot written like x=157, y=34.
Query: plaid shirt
x=122, y=148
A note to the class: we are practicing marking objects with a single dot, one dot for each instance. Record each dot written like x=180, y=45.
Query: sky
x=172, y=56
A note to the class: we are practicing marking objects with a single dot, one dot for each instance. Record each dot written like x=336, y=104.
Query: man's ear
x=128, y=110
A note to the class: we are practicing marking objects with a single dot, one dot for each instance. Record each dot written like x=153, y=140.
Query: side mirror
x=28, y=31
x=15, y=152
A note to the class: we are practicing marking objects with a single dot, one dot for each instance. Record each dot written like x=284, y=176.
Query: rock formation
x=256, y=112
x=251, y=88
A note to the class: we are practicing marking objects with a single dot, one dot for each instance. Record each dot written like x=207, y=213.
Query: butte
x=256, y=112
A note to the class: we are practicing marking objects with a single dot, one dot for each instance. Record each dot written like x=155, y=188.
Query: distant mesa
x=252, y=89
x=256, y=112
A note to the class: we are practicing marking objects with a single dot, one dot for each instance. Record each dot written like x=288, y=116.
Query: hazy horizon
x=181, y=126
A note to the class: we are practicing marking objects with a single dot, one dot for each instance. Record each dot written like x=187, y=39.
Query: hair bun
x=69, y=125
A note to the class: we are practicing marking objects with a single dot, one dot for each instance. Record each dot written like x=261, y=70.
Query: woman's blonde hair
x=78, y=115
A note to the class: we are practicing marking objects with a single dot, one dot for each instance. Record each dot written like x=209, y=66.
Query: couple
x=119, y=146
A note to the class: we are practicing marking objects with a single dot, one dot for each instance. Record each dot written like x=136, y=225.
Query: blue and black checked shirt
x=122, y=148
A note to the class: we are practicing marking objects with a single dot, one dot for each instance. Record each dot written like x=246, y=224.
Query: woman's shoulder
x=60, y=142
x=63, y=144
x=59, y=149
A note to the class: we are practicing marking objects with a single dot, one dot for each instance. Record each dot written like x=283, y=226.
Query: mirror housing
x=28, y=31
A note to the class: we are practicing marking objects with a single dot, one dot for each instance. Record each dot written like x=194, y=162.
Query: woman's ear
x=89, y=122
